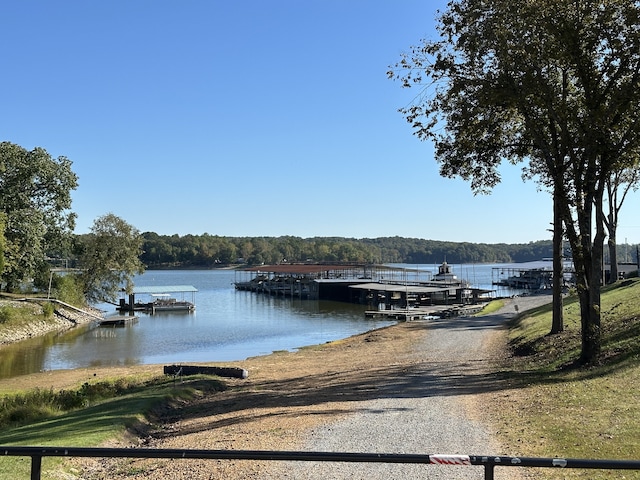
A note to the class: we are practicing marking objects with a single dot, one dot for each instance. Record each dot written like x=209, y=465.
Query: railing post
x=36, y=467
x=488, y=471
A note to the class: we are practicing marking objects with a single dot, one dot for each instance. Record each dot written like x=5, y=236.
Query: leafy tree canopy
x=551, y=82
x=35, y=199
x=110, y=257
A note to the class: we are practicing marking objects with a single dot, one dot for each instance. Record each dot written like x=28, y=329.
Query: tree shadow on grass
x=70, y=429
x=103, y=420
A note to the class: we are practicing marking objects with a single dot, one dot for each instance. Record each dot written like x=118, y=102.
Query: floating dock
x=160, y=299
x=118, y=321
x=440, y=311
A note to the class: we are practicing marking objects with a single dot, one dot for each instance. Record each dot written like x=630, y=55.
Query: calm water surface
x=227, y=325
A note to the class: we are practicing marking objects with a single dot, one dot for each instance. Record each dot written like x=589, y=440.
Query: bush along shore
x=21, y=319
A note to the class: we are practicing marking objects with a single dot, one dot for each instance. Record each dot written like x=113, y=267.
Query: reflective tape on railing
x=450, y=459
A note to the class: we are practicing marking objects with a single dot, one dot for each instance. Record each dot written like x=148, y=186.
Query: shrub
x=68, y=289
x=27, y=413
x=70, y=400
x=26, y=407
x=42, y=403
x=47, y=310
x=7, y=314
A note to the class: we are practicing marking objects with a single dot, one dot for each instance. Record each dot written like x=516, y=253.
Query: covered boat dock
x=386, y=295
x=378, y=286
x=536, y=275
x=306, y=281
x=160, y=298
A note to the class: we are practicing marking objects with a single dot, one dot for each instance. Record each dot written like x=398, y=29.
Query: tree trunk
x=587, y=259
x=588, y=295
x=591, y=334
x=590, y=304
x=557, y=322
x=613, y=255
x=582, y=286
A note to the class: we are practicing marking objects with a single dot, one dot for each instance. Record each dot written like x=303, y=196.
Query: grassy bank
x=20, y=320
x=557, y=408
x=15, y=314
x=549, y=408
x=88, y=415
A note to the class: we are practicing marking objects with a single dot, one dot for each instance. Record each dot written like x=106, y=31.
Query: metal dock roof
x=388, y=287
x=165, y=289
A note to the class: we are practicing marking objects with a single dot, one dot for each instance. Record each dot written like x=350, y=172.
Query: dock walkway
x=118, y=321
x=443, y=311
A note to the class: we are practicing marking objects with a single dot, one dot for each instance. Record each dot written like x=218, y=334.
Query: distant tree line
x=36, y=233
x=208, y=251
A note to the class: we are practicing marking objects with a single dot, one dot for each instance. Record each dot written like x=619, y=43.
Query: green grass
x=15, y=316
x=491, y=307
x=561, y=409
x=553, y=408
x=105, y=410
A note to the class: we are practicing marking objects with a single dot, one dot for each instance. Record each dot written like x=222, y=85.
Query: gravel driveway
x=426, y=412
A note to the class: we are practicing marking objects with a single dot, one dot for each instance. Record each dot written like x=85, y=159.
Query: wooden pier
x=399, y=314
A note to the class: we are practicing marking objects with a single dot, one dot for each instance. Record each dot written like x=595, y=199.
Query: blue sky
x=248, y=118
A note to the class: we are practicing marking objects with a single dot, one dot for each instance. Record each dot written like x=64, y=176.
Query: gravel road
x=429, y=411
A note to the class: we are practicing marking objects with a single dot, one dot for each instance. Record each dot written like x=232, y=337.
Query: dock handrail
x=64, y=304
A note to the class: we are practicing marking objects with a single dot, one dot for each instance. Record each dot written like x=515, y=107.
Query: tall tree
x=556, y=168
x=110, y=258
x=617, y=188
x=35, y=197
x=554, y=82
x=2, y=240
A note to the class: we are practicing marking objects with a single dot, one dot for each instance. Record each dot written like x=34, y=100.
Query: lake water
x=227, y=325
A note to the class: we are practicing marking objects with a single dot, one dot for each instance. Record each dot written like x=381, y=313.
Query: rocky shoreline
x=63, y=319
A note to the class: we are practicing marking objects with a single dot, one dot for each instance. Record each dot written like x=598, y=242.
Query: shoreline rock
x=63, y=319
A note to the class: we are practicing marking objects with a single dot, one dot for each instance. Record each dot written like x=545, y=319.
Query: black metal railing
x=489, y=463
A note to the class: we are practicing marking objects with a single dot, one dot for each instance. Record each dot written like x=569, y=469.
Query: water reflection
x=227, y=325
x=30, y=355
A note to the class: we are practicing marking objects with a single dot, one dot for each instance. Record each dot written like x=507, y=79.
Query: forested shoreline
x=210, y=251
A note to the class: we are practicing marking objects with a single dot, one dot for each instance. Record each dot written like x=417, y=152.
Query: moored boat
x=159, y=302
x=164, y=303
